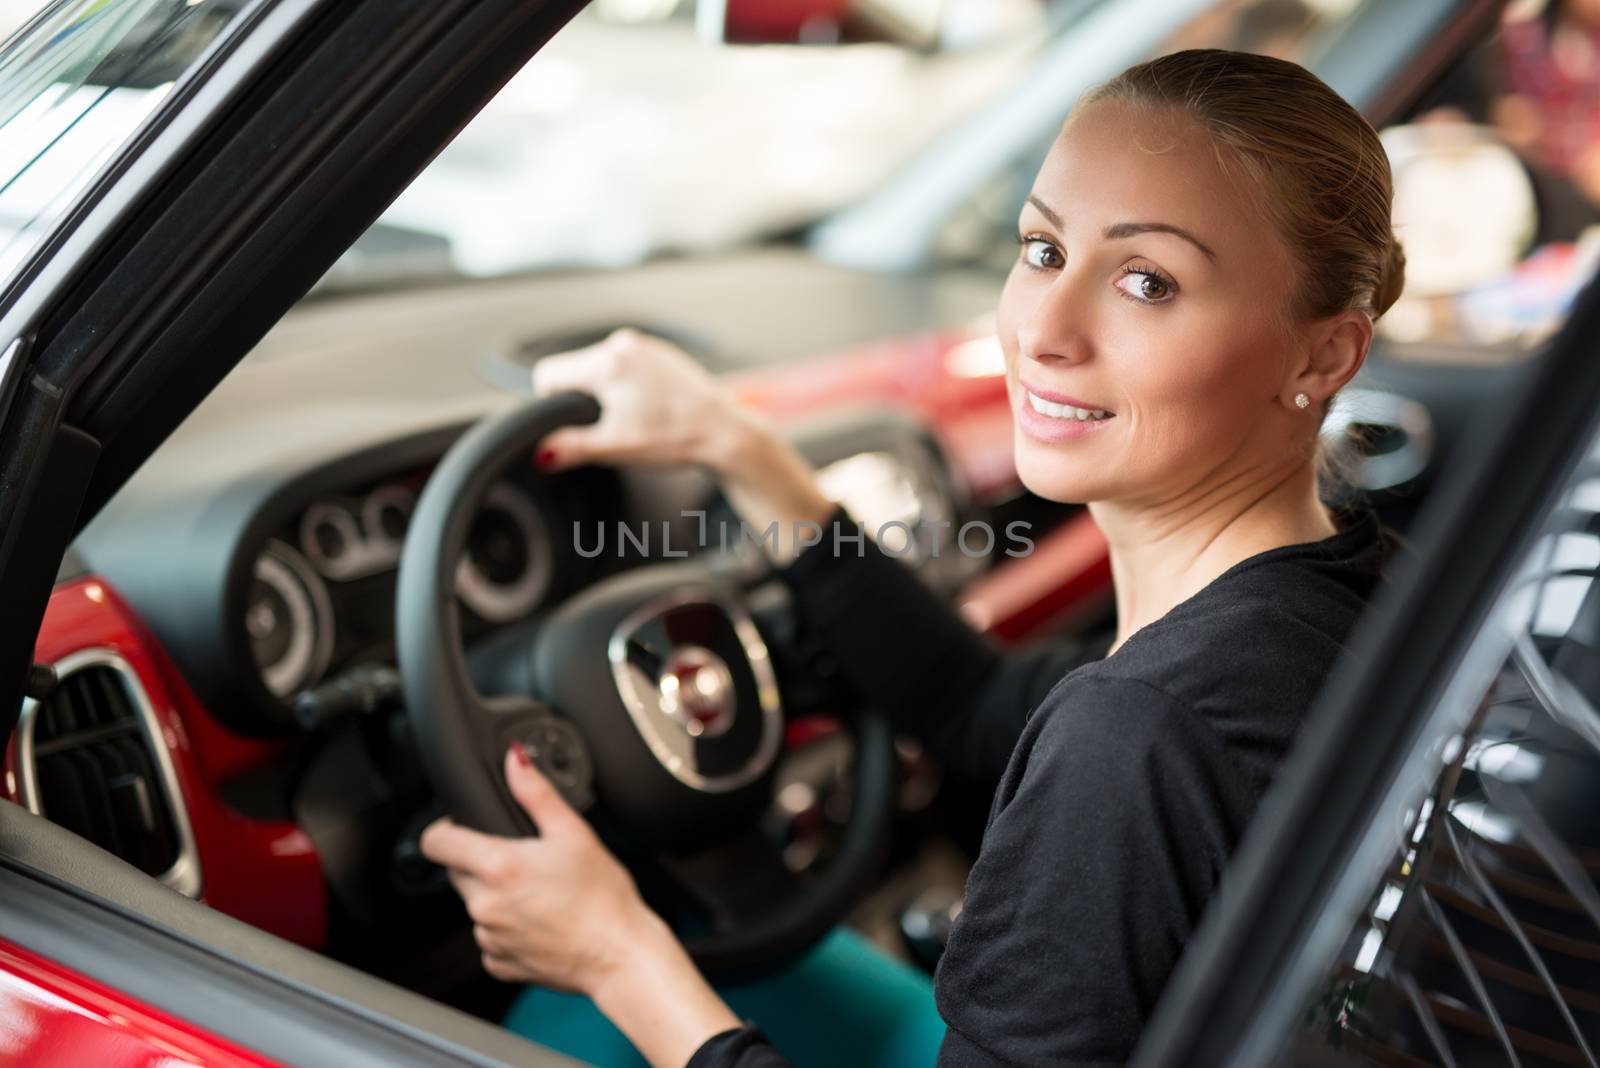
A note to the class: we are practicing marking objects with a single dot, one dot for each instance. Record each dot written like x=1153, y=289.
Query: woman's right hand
x=657, y=405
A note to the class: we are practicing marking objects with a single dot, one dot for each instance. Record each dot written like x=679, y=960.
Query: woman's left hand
x=557, y=909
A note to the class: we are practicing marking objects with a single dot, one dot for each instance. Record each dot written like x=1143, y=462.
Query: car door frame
x=262, y=165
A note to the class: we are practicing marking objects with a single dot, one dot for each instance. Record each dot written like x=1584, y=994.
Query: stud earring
x=1302, y=401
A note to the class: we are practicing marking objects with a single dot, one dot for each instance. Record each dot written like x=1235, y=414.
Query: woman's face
x=1148, y=285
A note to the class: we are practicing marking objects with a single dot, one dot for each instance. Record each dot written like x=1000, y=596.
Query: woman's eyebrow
x=1128, y=229
x=1051, y=217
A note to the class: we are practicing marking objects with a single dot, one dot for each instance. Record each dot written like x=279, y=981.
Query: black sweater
x=1124, y=781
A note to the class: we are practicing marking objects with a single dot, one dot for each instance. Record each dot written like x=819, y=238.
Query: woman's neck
x=1163, y=554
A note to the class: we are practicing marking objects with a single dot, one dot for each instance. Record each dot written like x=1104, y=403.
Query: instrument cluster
x=319, y=604
x=323, y=587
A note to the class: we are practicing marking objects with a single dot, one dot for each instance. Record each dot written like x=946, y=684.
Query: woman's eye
x=1142, y=285
x=1042, y=254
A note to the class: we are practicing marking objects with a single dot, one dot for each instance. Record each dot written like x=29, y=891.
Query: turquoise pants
x=843, y=1004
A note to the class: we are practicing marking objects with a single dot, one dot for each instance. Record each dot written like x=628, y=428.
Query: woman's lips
x=1050, y=429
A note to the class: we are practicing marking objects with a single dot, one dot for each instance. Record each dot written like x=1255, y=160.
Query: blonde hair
x=1323, y=173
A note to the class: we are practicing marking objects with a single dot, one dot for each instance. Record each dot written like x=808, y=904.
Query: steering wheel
x=657, y=712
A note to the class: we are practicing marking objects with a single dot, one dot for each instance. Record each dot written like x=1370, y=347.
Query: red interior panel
x=264, y=873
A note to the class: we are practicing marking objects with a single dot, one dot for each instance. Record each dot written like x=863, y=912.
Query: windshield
x=629, y=136
x=75, y=82
x=622, y=141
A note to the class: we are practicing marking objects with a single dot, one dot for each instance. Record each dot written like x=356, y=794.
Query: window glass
x=75, y=83
x=630, y=136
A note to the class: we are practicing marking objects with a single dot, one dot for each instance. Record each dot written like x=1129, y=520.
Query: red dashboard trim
x=951, y=378
x=55, y=1016
x=265, y=873
x=1068, y=571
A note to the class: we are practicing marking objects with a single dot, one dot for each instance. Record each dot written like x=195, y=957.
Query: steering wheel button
x=697, y=691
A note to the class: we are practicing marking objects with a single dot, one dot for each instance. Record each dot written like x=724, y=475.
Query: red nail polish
x=545, y=458
x=520, y=751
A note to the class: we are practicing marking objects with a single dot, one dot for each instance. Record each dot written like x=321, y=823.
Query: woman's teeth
x=1064, y=411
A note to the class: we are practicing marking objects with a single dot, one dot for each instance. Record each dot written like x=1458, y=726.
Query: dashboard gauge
x=385, y=514
x=346, y=541
x=507, y=565
x=332, y=540
x=289, y=619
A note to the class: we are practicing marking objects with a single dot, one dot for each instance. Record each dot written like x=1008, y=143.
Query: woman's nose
x=1059, y=324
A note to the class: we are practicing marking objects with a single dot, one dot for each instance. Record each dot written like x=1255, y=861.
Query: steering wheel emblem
x=695, y=677
x=697, y=691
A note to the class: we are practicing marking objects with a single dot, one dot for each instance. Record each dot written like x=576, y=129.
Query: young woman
x=1199, y=266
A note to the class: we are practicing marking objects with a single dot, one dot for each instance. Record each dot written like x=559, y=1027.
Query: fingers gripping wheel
x=665, y=713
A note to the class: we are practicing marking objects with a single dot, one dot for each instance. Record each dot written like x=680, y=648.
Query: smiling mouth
x=1065, y=412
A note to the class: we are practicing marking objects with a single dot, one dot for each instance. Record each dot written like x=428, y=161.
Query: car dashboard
x=228, y=634
x=265, y=583
x=323, y=589
x=238, y=597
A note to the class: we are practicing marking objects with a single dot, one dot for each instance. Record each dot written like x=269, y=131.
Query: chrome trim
x=1380, y=407
x=933, y=554
x=367, y=549
x=675, y=751
x=356, y=557
x=724, y=694
x=503, y=604
x=9, y=367
x=311, y=643
x=392, y=494
x=184, y=875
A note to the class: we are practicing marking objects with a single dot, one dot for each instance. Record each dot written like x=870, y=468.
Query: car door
x=135, y=283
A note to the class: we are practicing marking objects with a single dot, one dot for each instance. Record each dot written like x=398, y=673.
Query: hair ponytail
x=1392, y=281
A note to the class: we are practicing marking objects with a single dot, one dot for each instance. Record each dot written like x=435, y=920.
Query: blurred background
x=912, y=149
x=660, y=128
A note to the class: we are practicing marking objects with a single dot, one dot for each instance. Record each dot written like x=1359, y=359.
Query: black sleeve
x=907, y=651
x=739, y=1047
x=1108, y=834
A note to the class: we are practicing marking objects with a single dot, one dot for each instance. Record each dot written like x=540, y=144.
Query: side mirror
x=1464, y=205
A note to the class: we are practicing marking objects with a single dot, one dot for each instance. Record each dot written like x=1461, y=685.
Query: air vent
x=92, y=761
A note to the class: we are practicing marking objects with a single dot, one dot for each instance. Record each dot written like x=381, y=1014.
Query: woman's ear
x=1338, y=347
